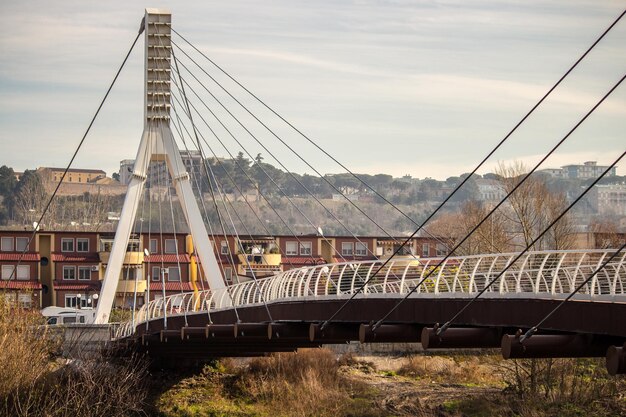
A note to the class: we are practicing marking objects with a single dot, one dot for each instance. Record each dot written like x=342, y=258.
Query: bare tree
x=532, y=207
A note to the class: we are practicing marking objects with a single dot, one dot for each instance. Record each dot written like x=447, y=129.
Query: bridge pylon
x=157, y=144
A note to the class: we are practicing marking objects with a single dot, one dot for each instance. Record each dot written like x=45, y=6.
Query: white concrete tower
x=157, y=144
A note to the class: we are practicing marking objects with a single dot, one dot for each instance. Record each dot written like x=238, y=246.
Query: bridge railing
x=542, y=273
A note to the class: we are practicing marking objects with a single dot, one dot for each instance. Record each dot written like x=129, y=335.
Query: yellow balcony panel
x=260, y=259
x=131, y=258
x=129, y=286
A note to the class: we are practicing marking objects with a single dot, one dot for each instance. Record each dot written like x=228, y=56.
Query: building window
x=25, y=300
x=129, y=274
x=133, y=245
x=360, y=249
x=228, y=275
x=441, y=249
x=23, y=272
x=6, y=244
x=425, y=249
x=173, y=274
x=72, y=300
x=67, y=245
x=291, y=248
x=7, y=271
x=156, y=273
x=170, y=245
x=305, y=248
x=21, y=243
x=154, y=246
x=82, y=245
x=69, y=272
x=347, y=248
x=84, y=273
x=224, y=247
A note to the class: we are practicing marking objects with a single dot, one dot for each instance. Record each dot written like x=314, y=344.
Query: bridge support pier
x=616, y=360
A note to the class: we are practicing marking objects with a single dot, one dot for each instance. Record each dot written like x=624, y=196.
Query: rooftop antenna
x=157, y=144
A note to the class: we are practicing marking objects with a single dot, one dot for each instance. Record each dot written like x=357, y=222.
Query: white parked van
x=67, y=315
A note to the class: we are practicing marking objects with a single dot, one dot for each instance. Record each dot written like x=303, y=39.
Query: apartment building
x=66, y=268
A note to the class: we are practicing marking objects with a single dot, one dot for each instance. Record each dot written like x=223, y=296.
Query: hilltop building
x=74, y=175
x=158, y=174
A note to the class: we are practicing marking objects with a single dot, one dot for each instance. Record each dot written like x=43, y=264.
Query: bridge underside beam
x=556, y=346
x=461, y=338
x=297, y=324
x=616, y=360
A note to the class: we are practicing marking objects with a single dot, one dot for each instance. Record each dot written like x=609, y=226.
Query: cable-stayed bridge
x=531, y=303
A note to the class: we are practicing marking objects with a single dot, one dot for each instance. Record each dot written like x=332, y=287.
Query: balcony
x=133, y=256
x=130, y=258
x=129, y=286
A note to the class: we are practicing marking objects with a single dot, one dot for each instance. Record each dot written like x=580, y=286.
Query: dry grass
x=459, y=369
x=34, y=382
x=307, y=383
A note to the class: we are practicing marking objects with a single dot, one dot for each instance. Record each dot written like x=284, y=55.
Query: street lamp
x=78, y=298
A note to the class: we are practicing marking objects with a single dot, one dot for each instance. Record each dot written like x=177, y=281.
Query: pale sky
x=424, y=88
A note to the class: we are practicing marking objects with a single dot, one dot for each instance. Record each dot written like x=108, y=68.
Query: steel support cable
x=174, y=162
x=177, y=126
x=248, y=153
x=80, y=144
x=253, y=211
x=289, y=261
x=536, y=327
x=248, y=177
x=421, y=226
x=143, y=207
x=271, y=179
x=274, y=157
x=282, y=141
x=211, y=233
x=475, y=169
x=241, y=192
x=308, y=139
x=204, y=165
x=495, y=208
x=228, y=291
x=190, y=116
x=443, y=328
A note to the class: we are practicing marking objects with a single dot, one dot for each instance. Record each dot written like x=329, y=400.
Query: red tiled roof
x=167, y=258
x=302, y=260
x=64, y=286
x=171, y=286
x=82, y=257
x=20, y=285
x=28, y=257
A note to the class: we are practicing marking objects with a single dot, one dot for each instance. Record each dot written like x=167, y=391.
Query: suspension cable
x=80, y=144
x=190, y=116
x=248, y=153
x=493, y=210
x=228, y=290
x=536, y=327
x=443, y=328
x=286, y=145
x=465, y=179
x=247, y=176
x=273, y=156
x=421, y=226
